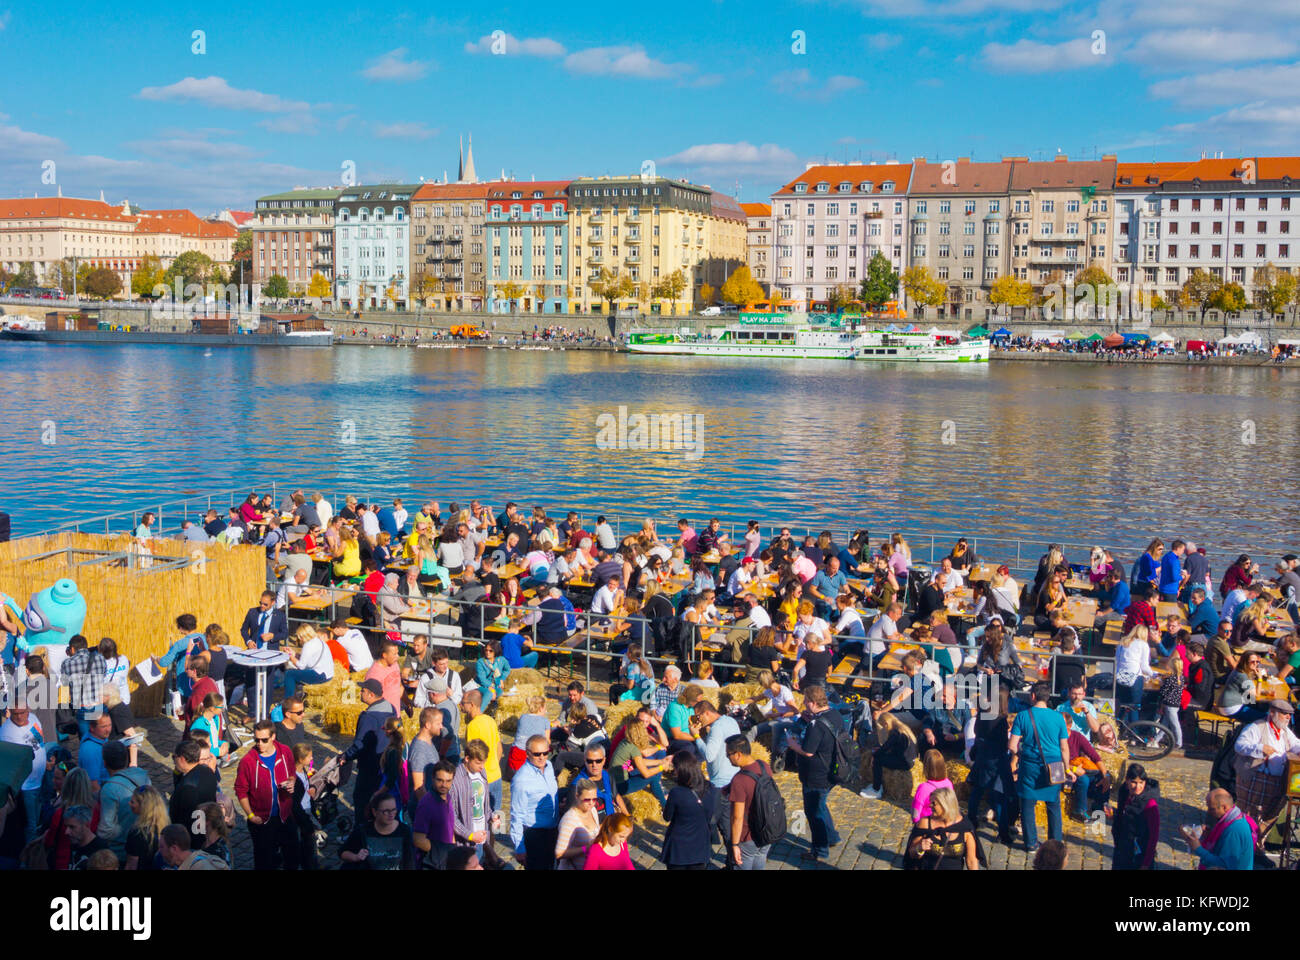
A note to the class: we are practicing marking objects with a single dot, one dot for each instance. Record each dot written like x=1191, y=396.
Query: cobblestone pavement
x=873, y=831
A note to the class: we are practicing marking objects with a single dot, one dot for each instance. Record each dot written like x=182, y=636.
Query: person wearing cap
x=1262, y=750
x=369, y=742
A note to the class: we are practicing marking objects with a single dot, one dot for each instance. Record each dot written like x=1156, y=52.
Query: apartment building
x=648, y=228
x=293, y=236
x=449, y=249
x=832, y=219
x=372, y=231
x=758, y=243
x=527, y=246
x=1061, y=217
x=957, y=228
x=725, y=230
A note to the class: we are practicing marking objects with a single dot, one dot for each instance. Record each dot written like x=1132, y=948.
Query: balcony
x=633, y=217
x=1020, y=214
x=595, y=258
x=594, y=216
x=874, y=214
x=632, y=258
x=631, y=239
x=454, y=254
x=1057, y=256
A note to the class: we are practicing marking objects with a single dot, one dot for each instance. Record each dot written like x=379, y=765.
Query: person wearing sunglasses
x=578, y=826
x=533, y=808
x=264, y=785
x=595, y=767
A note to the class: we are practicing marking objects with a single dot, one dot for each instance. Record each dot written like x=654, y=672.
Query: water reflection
x=1090, y=453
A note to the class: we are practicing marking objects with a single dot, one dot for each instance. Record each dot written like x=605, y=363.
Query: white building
x=372, y=239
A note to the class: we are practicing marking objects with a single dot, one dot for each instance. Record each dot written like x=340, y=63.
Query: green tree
x=612, y=287
x=1274, y=289
x=1198, y=291
x=741, y=288
x=1007, y=291
x=190, y=267
x=922, y=288
x=26, y=276
x=103, y=283
x=6, y=280
x=276, y=287
x=1230, y=298
x=880, y=285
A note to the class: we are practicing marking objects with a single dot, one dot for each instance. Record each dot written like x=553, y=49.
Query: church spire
x=468, y=175
x=460, y=163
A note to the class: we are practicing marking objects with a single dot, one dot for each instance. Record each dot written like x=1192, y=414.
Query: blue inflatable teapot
x=54, y=615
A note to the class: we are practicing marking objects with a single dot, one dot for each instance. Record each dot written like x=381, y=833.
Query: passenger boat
x=921, y=347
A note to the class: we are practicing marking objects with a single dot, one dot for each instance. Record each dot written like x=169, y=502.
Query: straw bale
x=509, y=710
x=959, y=773
x=643, y=806
x=522, y=691
x=342, y=717
x=900, y=785
x=760, y=752
x=711, y=694
x=616, y=713
x=526, y=675
x=738, y=692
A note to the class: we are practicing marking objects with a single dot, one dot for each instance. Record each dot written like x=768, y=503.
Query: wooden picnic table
x=312, y=602
x=981, y=571
x=513, y=570
x=1170, y=608
x=1081, y=612
x=1078, y=583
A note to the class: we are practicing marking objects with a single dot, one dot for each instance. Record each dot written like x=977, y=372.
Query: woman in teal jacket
x=491, y=670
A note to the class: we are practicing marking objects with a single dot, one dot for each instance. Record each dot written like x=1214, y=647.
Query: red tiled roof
x=854, y=173
x=1137, y=174
x=240, y=217
x=452, y=191
x=1062, y=174
x=32, y=208
x=757, y=209
x=552, y=192
x=928, y=178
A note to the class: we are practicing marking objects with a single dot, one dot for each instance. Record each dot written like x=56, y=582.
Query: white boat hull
x=792, y=351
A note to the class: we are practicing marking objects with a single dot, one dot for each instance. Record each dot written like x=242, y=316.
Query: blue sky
x=711, y=90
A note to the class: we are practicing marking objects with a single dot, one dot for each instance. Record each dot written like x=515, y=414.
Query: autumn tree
x=1008, y=291
x=612, y=287
x=319, y=288
x=103, y=283
x=840, y=297
x=147, y=276
x=1274, y=289
x=706, y=294
x=673, y=287
x=922, y=288
x=1198, y=291
x=192, y=266
x=1230, y=298
x=741, y=288
x=511, y=292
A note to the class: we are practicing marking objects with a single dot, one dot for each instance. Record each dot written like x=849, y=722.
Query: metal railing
x=1021, y=555
x=641, y=630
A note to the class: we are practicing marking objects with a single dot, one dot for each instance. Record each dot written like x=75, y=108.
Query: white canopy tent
x=1048, y=335
x=1164, y=337
x=936, y=332
x=1247, y=338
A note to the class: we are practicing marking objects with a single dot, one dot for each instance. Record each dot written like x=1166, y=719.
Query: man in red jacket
x=264, y=787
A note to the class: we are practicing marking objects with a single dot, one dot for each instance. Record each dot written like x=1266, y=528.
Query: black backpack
x=766, y=810
x=845, y=757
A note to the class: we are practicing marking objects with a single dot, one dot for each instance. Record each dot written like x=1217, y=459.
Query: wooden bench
x=1215, y=720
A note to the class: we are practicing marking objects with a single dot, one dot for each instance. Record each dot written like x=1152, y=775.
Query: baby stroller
x=328, y=781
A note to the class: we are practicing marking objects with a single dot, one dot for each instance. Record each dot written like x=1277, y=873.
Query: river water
x=1106, y=454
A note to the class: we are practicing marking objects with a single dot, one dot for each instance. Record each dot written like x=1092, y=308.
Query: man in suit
x=264, y=626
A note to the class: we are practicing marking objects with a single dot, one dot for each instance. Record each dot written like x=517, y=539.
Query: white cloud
x=290, y=123
x=202, y=178
x=1195, y=13
x=954, y=8
x=1269, y=125
x=1230, y=86
x=528, y=46
x=1198, y=46
x=800, y=83
x=882, y=41
x=194, y=146
x=1029, y=56
x=621, y=61
x=394, y=66
x=216, y=92
x=405, y=131
x=730, y=161
x=707, y=80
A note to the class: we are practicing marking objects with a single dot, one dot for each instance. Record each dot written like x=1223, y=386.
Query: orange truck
x=468, y=331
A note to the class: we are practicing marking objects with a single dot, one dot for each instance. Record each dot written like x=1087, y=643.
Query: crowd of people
x=807, y=620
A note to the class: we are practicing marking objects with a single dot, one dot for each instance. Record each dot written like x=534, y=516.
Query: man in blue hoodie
x=1113, y=598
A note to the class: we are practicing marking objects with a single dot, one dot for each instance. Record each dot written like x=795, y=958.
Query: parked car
x=711, y=312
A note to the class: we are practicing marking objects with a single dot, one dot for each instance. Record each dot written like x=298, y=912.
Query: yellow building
x=649, y=229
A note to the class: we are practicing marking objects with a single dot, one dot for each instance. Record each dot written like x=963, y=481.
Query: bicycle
x=1147, y=740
